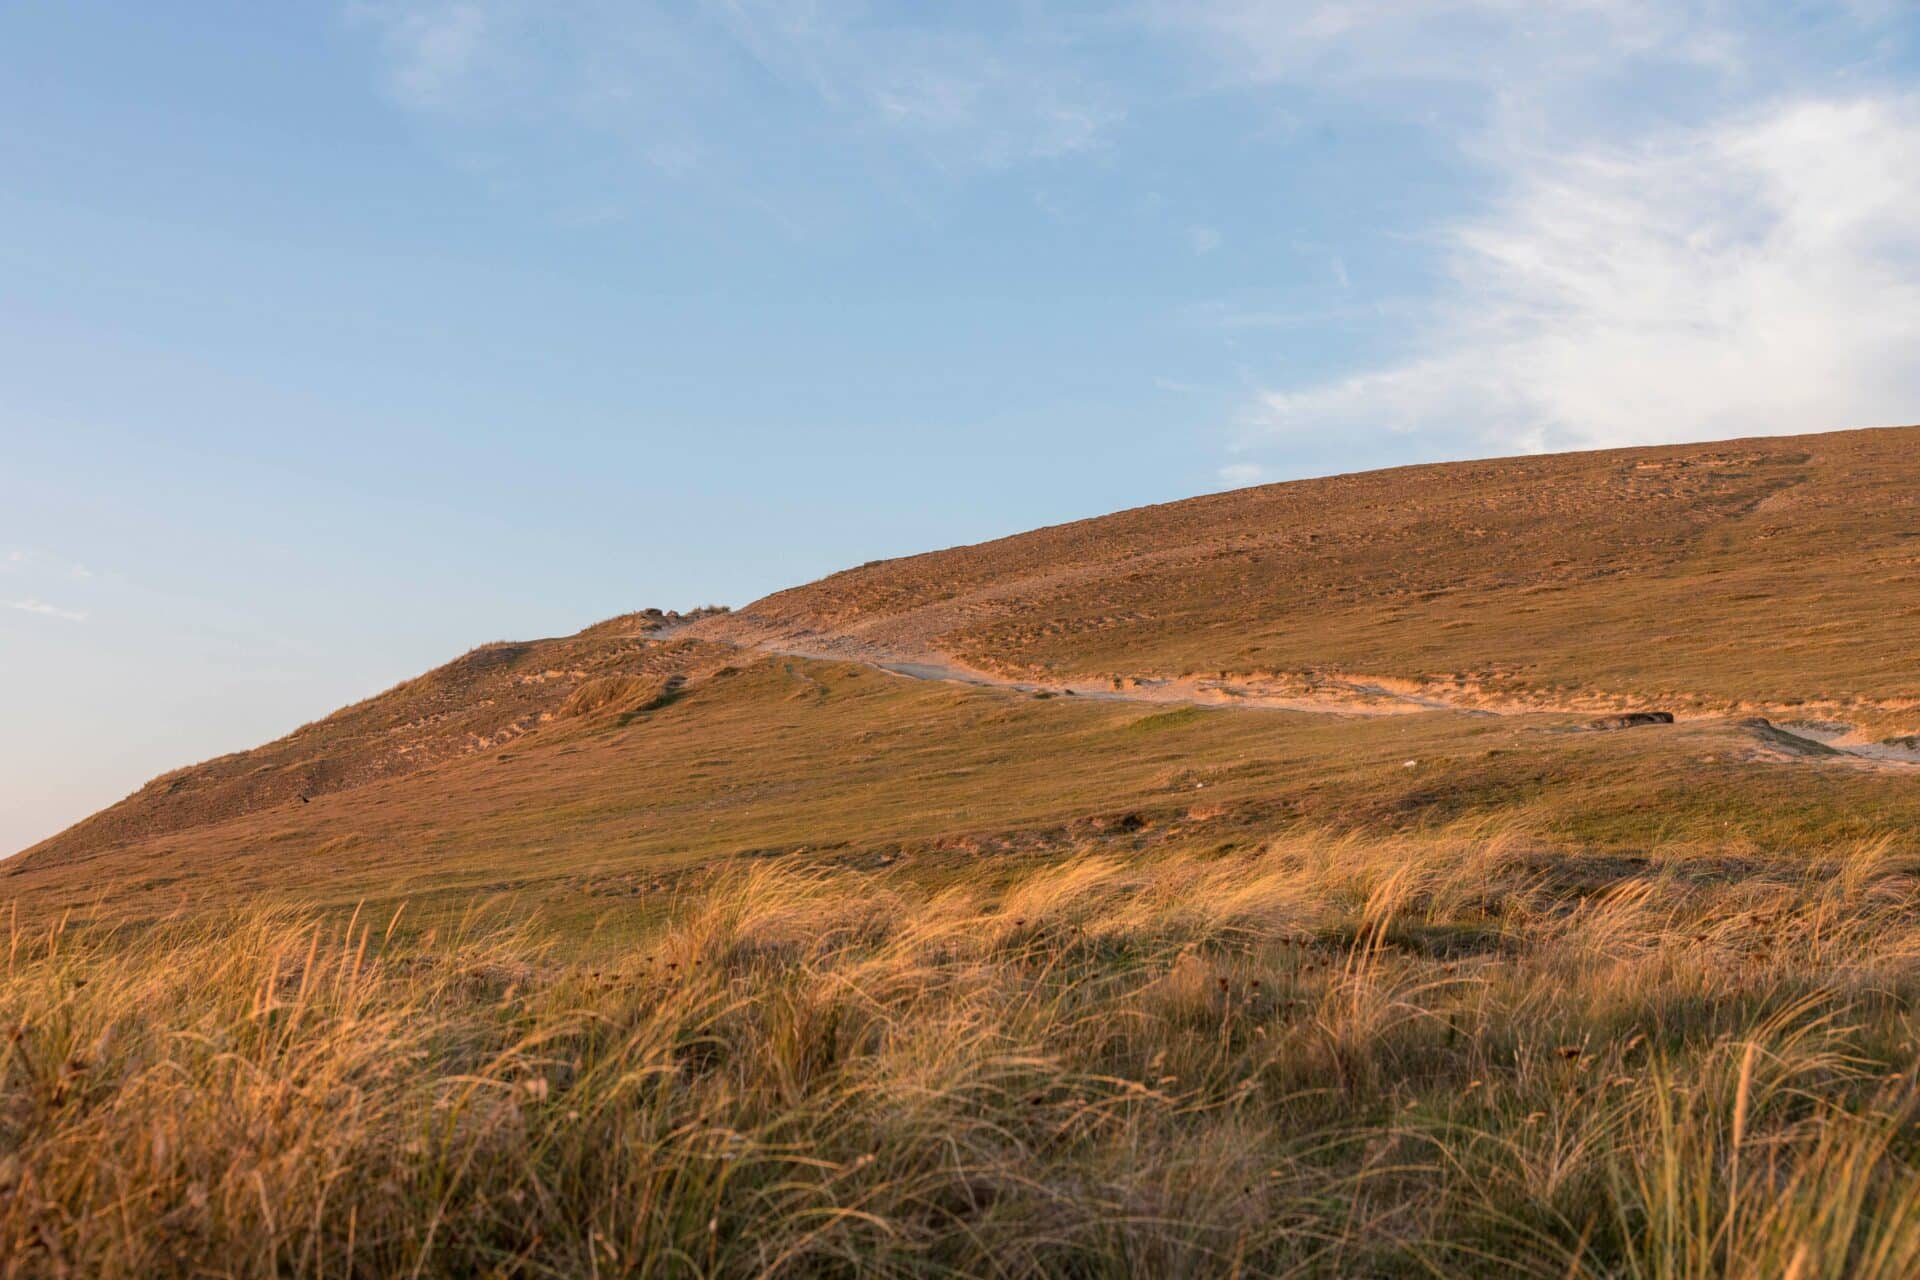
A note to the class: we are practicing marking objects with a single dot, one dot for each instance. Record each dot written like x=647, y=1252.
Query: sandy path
x=1339, y=698
x=1359, y=696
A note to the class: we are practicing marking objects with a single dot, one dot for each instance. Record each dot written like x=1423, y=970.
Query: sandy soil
x=1341, y=695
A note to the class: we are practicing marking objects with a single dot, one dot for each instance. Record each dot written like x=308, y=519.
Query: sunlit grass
x=1433, y=1055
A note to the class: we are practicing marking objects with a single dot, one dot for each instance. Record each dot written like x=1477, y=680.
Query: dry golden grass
x=1446, y=1054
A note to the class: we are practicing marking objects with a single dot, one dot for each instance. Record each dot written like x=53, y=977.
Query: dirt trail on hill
x=1321, y=697
x=1328, y=695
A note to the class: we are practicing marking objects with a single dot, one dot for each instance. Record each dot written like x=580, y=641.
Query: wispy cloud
x=29, y=604
x=1674, y=218
x=433, y=50
x=1760, y=275
x=1014, y=97
x=1689, y=225
x=1490, y=51
x=646, y=72
x=41, y=563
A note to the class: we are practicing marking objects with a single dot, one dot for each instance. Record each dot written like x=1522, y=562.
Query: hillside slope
x=838, y=763
x=1776, y=577
x=479, y=702
x=1767, y=576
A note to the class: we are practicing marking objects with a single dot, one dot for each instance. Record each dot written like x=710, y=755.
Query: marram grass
x=1436, y=1056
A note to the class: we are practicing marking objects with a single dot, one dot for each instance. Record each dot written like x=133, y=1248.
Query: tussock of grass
x=1163, y=720
x=1253, y=1064
x=617, y=693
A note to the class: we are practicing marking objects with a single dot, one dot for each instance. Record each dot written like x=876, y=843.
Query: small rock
x=1630, y=719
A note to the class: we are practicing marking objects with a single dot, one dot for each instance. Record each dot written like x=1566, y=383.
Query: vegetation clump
x=618, y=694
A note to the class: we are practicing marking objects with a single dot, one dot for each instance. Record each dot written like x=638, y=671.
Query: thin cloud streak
x=39, y=563
x=641, y=72
x=1496, y=53
x=31, y=605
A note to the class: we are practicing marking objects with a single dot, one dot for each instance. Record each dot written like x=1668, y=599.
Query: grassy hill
x=1266, y=884
x=1772, y=576
x=602, y=789
x=480, y=702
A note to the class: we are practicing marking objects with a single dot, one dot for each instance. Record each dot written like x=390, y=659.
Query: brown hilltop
x=1773, y=573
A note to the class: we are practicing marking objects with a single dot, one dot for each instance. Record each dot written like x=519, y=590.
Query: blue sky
x=337, y=338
